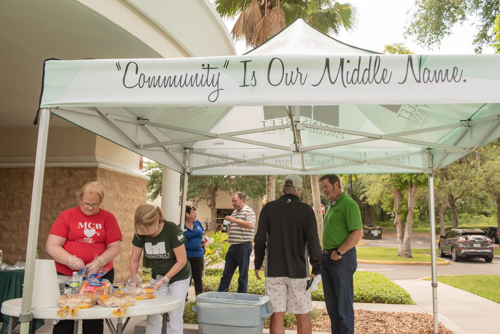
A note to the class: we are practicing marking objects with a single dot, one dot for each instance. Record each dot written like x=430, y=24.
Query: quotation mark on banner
x=226, y=63
x=118, y=66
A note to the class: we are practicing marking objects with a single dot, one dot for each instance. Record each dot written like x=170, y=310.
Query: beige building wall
x=74, y=157
x=223, y=202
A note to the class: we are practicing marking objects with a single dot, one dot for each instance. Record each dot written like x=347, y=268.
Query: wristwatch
x=338, y=253
x=166, y=279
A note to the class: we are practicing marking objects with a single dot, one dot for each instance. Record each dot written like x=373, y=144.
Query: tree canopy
x=433, y=20
x=259, y=20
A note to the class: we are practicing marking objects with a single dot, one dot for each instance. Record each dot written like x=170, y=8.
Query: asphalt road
x=391, y=242
x=401, y=272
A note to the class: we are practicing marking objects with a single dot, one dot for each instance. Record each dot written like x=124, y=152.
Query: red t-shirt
x=86, y=236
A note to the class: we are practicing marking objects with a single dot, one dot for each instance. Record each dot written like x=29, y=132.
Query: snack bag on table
x=94, y=283
x=71, y=303
x=134, y=287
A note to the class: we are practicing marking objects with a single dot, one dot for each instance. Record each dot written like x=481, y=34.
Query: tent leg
x=184, y=190
x=432, y=217
x=36, y=203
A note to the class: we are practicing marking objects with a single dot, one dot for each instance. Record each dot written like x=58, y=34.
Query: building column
x=170, y=189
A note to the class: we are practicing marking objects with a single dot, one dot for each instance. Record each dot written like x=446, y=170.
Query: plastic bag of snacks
x=141, y=293
x=96, y=286
x=116, y=299
x=71, y=303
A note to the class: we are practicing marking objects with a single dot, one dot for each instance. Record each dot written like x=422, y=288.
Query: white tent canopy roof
x=302, y=102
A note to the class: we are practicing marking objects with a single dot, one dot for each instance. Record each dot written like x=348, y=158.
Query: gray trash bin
x=231, y=313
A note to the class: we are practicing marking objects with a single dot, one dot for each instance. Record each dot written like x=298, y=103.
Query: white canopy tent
x=301, y=103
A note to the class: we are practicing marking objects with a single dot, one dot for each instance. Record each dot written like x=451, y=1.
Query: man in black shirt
x=287, y=228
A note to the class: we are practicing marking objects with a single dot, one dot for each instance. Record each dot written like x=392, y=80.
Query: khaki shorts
x=288, y=294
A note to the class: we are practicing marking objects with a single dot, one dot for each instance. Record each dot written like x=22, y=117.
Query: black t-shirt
x=159, y=251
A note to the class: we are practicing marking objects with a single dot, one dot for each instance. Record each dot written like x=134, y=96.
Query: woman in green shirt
x=163, y=245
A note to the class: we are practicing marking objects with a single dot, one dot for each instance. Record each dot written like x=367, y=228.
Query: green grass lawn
x=486, y=286
x=496, y=251
x=391, y=254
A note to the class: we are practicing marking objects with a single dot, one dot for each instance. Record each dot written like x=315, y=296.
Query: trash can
x=372, y=232
x=231, y=313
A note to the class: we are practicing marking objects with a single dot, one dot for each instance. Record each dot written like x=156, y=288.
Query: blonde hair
x=93, y=187
x=145, y=216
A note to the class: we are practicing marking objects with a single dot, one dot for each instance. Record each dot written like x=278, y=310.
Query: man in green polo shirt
x=342, y=229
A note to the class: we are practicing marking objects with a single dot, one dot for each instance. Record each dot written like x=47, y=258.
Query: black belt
x=242, y=243
x=328, y=251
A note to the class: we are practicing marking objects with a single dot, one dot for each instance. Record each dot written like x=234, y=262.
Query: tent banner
x=273, y=80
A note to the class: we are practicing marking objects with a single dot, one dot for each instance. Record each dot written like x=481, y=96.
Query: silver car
x=466, y=243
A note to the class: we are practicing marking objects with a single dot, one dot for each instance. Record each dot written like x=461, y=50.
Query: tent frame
x=296, y=148
x=26, y=315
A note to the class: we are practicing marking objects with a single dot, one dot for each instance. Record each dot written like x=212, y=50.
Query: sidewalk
x=460, y=311
x=467, y=312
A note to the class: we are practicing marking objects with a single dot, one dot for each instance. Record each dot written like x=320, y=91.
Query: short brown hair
x=145, y=216
x=93, y=187
x=332, y=178
x=190, y=208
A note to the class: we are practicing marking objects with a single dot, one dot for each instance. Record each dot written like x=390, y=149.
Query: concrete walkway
x=466, y=312
x=460, y=311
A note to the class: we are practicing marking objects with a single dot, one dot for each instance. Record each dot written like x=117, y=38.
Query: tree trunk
x=306, y=192
x=397, y=219
x=405, y=249
x=441, y=206
x=271, y=187
x=317, y=206
x=212, y=204
x=453, y=210
x=368, y=214
x=498, y=214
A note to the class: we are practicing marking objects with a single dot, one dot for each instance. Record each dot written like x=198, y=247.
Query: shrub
x=368, y=287
x=216, y=251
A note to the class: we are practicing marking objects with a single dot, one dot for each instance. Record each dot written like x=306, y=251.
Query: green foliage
x=433, y=20
x=155, y=172
x=190, y=316
x=496, y=29
x=376, y=288
x=391, y=254
x=327, y=16
x=397, y=48
x=368, y=287
x=216, y=251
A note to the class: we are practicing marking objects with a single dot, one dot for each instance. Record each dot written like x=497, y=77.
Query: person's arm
x=260, y=242
x=181, y=260
x=133, y=262
x=350, y=242
x=54, y=247
x=112, y=251
x=242, y=223
x=314, y=247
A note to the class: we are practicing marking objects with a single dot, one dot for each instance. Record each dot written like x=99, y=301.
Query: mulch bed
x=371, y=322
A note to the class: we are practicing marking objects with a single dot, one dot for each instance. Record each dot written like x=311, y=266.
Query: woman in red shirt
x=85, y=236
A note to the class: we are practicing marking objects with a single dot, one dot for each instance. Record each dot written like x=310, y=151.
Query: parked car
x=461, y=244
x=492, y=233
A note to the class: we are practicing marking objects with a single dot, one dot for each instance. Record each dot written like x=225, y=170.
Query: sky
x=382, y=22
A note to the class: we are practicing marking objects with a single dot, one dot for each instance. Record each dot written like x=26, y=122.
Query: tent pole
x=432, y=216
x=184, y=190
x=36, y=202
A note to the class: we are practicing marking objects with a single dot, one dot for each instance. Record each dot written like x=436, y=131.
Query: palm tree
x=259, y=20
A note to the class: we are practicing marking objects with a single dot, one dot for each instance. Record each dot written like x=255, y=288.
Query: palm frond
x=238, y=32
x=276, y=21
x=261, y=33
x=229, y=8
x=252, y=18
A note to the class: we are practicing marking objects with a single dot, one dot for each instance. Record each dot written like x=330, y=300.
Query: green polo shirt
x=339, y=220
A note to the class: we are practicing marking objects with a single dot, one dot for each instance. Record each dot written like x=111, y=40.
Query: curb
x=404, y=263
